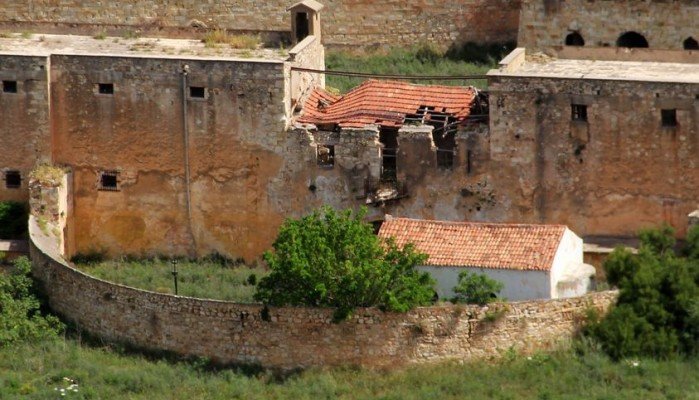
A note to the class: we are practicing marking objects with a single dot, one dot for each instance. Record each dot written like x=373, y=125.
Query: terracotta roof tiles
x=385, y=103
x=483, y=245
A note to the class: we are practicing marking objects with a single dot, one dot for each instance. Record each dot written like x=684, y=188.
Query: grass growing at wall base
x=39, y=371
x=203, y=279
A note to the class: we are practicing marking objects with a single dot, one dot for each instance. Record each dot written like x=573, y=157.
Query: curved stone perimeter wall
x=297, y=337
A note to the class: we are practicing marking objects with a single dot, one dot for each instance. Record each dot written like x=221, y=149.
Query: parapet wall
x=289, y=338
x=665, y=24
x=353, y=23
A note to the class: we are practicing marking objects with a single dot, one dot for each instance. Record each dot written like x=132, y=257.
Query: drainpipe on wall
x=187, y=178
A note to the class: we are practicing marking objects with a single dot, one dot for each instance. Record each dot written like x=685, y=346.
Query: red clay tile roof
x=385, y=103
x=483, y=245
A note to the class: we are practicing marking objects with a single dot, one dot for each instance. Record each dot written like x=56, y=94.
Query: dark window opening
x=669, y=118
x=632, y=40
x=389, y=154
x=575, y=39
x=326, y=155
x=302, y=26
x=109, y=180
x=578, y=112
x=691, y=44
x=105, y=88
x=469, y=166
x=9, y=86
x=197, y=92
x=13, y=180
x=446, y=146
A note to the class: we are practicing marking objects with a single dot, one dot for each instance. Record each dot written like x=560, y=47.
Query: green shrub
x=476, y=289
x=332, y=259
x=20, y=319
x=657, y=313
x=13, y=220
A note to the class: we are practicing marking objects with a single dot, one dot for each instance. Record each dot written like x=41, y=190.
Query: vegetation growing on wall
x=657, y=313
x=13, y=220
x=20, y=319
x=47, y=175
x=333, y=259
x=424, y=61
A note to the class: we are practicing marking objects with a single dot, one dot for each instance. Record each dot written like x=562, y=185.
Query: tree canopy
x=657, y=313
x=333, y=259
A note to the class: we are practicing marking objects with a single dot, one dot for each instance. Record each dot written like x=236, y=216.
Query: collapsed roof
x=387, y=104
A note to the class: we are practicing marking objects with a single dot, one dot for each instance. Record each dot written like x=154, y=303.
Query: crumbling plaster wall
x=617, y=173
x=665, y=24
x=353, y=23
x=24, y=132
x=239, y=157
x=432, y=193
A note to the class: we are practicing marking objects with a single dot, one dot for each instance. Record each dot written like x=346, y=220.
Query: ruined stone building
x=594, y=120
x=179, y=148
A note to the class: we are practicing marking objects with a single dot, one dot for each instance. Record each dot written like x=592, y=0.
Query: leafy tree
x=476, y=289
x=657, y=313
x=13, y=219
x=333, y=259
x=20, y=319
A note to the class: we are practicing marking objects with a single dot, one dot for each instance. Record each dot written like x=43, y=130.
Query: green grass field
x=39, y=371
x=202, y=279
x=412, y=61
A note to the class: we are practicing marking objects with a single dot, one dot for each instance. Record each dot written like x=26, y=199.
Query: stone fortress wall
x=287, y=337
x=546, y=23
x=351, y=23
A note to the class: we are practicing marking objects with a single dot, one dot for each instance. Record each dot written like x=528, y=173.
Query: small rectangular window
x=445, y=158
x=109, y=180
x=197, y=92
x=326, y=155
x=13, y=180
x=578, y=112
x=669, y=118
x=9, y=86
x=105, y=88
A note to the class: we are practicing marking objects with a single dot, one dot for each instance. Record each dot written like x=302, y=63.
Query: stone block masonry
x=347, y=23
x=665, y=24
x=290, y=338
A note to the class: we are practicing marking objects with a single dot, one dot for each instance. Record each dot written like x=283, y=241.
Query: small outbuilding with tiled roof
x=532, y=261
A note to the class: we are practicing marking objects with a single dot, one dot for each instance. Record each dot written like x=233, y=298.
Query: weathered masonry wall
x=546, y=23
x=24, y=111
x=138, y=131
x=345, y=22
x=290, y=338
x=620, y=171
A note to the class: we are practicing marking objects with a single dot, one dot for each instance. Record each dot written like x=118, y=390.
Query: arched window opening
x=632, y=39
x=575, y=39
x=691, y=44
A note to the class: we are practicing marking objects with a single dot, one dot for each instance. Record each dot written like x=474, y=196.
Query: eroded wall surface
x=24, y=128
x=616, y=173
x=353, y=23
x=664, y=24
x=235, y=140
